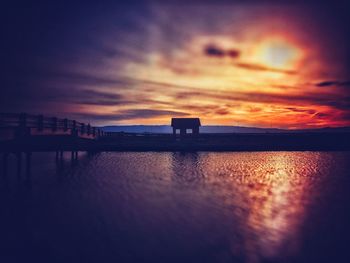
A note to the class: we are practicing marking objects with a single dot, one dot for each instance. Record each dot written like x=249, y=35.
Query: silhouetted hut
x=184, y=124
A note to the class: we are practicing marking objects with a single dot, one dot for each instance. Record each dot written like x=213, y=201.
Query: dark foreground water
x=174, y=207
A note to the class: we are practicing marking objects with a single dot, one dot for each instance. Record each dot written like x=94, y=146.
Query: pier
x=22, y=134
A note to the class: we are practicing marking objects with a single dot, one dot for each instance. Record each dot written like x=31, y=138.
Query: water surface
x=179, y=207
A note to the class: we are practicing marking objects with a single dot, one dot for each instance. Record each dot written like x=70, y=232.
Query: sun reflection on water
x=268, y=196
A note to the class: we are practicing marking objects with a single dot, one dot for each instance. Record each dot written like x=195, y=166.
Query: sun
x=278, y=53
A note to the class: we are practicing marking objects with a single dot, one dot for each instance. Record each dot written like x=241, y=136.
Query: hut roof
x=185, y=122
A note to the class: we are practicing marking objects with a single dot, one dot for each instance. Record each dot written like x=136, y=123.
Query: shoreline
x=166, y=142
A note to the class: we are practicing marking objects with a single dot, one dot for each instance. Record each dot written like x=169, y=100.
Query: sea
x=177, y=207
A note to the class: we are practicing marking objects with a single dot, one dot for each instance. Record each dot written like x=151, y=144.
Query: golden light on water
x=277, y=210
x=269, y=197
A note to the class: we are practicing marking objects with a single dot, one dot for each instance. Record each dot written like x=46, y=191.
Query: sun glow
x=278, y=53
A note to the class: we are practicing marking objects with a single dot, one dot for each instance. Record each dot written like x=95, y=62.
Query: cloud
x=38, y=89
x=74, y=95
x=254, y=109
x=303, y=100
x=251, y=66
x=202, y=109
x=187, y=94
x=332, y=83
x=148, y=113
x=129, y=115
x=342, y=104
x=222, y=112
x=214, y=51
x=233, y=53
x=301, y=110
x=85, y=79
x=322, y=115
x=95, y=97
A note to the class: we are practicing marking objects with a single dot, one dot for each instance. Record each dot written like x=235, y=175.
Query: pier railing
x=16, y=125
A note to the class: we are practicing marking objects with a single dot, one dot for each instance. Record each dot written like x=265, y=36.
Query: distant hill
x=213, y=129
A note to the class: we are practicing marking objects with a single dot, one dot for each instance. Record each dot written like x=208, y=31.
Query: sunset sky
x=255, y=64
